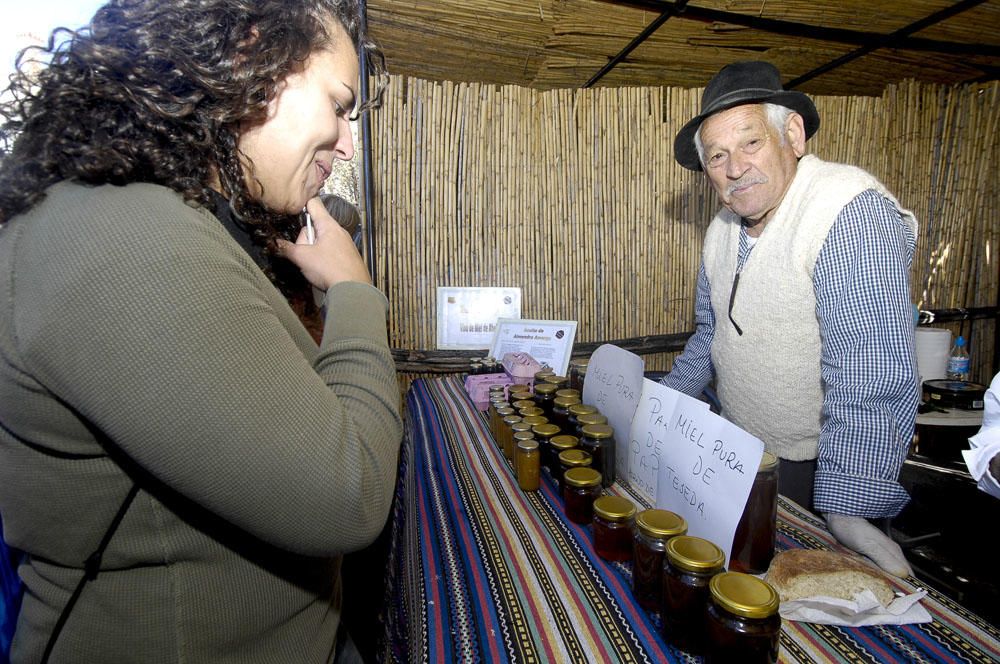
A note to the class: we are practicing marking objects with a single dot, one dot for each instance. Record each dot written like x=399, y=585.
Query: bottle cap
x=563, y=442
x=582, y=477
x=614, y=508
x=661, y=523
x=575, y=457
x=744, y=595
x=694, y=554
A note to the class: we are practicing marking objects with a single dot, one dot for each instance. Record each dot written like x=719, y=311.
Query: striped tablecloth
x=481, y=571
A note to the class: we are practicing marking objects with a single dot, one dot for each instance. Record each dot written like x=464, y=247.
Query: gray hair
x=777, y=116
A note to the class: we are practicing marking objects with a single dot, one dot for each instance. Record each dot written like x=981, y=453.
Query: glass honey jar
x=560, y=411
x=653, y=529
x=542, y=374
x=494, y=418
x=757, y=531
x=575, y=411
x=543, y=434
x=612, y=524
x=559, y=381
x=688, y=567
x=510, y=449
x=587, y=420
x=507, y=435
x=574, y=458
x=545, y=394
x=742, y=622
x=569, y=392
x=502, y=412
x=581, y=488
x=528, y=411
x=518, y=391
x=527, y=464
x=550, y=458
x=522, y=403
x=578, y=372
x=599, y=440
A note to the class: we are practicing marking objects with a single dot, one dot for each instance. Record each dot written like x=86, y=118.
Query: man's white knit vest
x=768, y=379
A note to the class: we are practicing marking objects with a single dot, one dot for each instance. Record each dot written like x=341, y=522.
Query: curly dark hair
x=155, y=91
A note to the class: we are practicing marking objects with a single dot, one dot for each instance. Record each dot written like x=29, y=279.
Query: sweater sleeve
x=143, y=316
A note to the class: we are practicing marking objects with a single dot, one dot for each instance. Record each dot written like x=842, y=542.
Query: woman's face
x=305, y=129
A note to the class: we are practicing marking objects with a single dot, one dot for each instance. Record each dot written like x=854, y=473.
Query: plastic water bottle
x=958, y=361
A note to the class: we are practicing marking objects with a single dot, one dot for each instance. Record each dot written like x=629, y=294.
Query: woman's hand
x=333, y=258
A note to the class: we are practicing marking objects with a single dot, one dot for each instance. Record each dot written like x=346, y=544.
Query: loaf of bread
x=800, y=573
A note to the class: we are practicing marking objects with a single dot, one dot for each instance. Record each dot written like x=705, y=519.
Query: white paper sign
x=707, y=466
x=547, y=341
x=649, y=434
x=467, y=317
x=614, y=384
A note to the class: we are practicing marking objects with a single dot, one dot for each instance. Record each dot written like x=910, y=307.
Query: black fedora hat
x=747, y=82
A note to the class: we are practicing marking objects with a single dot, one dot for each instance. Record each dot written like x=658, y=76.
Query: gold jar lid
x=511, y=419
x=566, y=402
x=579, y=409
x=518, y=427
x=744, y=595
x=524, y=435
x=767, y=462
x=614, y=508
x=579, y=361
x=505, y=411
x=528, y=445
x=519, y=388
x=598, y=430
x=523, y=403
x=591, y=418
x=568, y=392
x=574, y=458
x=545, y=430
x=546, y=388
x=558, y=381
x=540, y=375
x=582, y=477
x=528, y=411
x=563, y=442
x=694, y=554
x=661, y=524
x=536, y=419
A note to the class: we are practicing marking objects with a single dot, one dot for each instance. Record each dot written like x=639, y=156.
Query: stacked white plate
x=933, y=344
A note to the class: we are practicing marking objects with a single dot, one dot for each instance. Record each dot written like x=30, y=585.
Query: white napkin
x=863, y=610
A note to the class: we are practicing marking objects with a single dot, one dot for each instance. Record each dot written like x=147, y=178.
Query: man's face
x=750, y=164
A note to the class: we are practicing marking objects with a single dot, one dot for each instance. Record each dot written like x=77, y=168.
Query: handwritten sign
x=707, y=466
x=614, y=384
x=649, y=433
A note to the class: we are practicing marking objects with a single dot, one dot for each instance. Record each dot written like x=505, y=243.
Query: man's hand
x=856, y=533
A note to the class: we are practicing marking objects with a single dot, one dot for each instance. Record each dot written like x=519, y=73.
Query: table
x=482, y=571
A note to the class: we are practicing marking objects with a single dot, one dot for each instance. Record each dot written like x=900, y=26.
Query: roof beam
x=820, y=33
x=936, y=17
x=632, y=45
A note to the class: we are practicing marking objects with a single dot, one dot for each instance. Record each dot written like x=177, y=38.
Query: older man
x=803, y=306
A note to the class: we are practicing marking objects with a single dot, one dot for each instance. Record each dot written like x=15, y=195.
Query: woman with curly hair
x=181, y=463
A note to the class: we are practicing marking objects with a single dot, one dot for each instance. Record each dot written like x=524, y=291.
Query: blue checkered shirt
x=861, y=281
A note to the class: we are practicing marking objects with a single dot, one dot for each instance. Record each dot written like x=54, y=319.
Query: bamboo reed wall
x=574, y=196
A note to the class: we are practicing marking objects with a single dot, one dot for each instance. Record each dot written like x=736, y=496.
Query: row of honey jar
x=558, y=422
x=733, y=615
x=535, y=428
x=727, y=616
